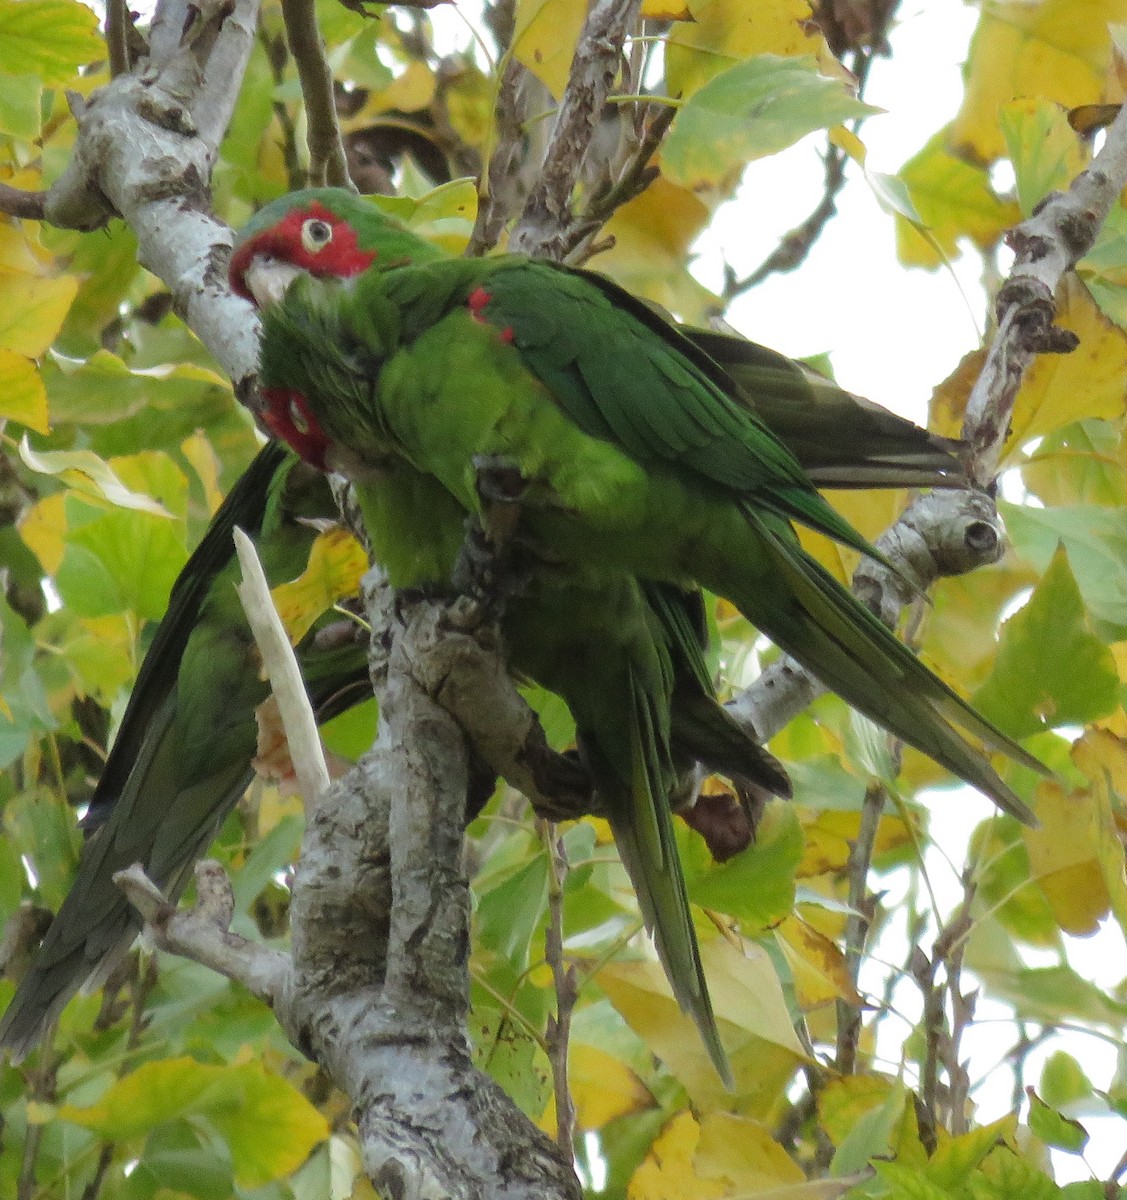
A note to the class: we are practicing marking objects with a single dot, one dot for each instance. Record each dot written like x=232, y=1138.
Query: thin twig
x=277, y=55
x=15, y=202
x=545, y=227
x=796, y=244
x=857, y=925
x=327, y=162
x=951, y=946
x=567, y=990
x=941, y=1038
x=117, y=36
x=492, y=210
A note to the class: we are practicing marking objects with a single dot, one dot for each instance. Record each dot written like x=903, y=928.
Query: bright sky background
x=893, y=335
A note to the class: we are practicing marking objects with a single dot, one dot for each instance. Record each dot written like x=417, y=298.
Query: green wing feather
x=624, y=375
x=183, y=754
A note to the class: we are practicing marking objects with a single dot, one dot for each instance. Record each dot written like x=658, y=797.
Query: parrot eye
x=298, y=418
x=316, y=234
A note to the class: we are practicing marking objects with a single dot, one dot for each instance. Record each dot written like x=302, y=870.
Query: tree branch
x=1060, y=232
x=949, y=533
x=545, y=228
x=381, y=866
x=146, y=146
x=203, y=934
x=327, y=162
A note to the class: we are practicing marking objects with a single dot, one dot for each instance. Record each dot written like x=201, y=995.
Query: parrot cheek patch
x=288, y=418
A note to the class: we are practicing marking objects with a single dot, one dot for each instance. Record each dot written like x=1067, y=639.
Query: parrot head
x=323, y=232
x=320, y=231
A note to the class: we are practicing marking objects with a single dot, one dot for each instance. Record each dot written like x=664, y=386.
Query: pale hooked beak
x=269, y=278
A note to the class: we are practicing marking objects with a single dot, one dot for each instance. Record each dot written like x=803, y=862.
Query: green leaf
x=119, y=561
x=956, y=1157
x=1007, y=1176
x=1054, y=1129
x=1005, y=884
x=20, y=97
x=48, y=38
x=42, y=825
x=755, y=108
x=86, y=472
x=239, y=1102
x=23, y=704
x=1063, y=1080
x=871, y=1135
x=1079, y=464
x=1096, y=541
x=756, y=885
x=1051, y=669
x=908, y=1183
x=508, y=914
x=953, y=199
x=183, y=1159
x=1045, y=150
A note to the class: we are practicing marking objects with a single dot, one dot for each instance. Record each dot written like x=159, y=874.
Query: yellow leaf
x=666, y=10
x=744, y=1154
x=89, y=475
x=870, y=511
x=44, y=528
x=958, y=636
x=1062, y=388
x=412, y=90
x=751, y=1013
x=1103, y=758
x=949, y=400
x=725, y=32
x=201, y=454
x=336, y=563
x=32, y=310
x=953, y=199
x=545, y=38
x=1055, y=49
x=844, y=1101
x=238, y=1101
x=603, y=1088
x=652, y=235
x=666, y=1173
x=1062, y=858
x=19, y=250
x=23, y=397
x=828, y=834
x=817, y=965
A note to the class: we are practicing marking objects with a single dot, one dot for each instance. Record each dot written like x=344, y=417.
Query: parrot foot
x=566, y=790
x=500, y=487
x=485, y=571
x=723, y=821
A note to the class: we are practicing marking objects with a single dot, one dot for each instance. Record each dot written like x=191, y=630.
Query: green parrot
x=839, y=439
x=636, y=464
x=183, y=754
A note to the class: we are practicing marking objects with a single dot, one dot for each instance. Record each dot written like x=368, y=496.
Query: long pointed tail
x=809, y=615
x=640, y=817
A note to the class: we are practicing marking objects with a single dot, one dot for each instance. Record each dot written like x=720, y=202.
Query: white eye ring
x=298, y=418
x=316, y=234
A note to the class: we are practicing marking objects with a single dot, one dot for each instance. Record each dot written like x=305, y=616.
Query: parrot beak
x=268, y=279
